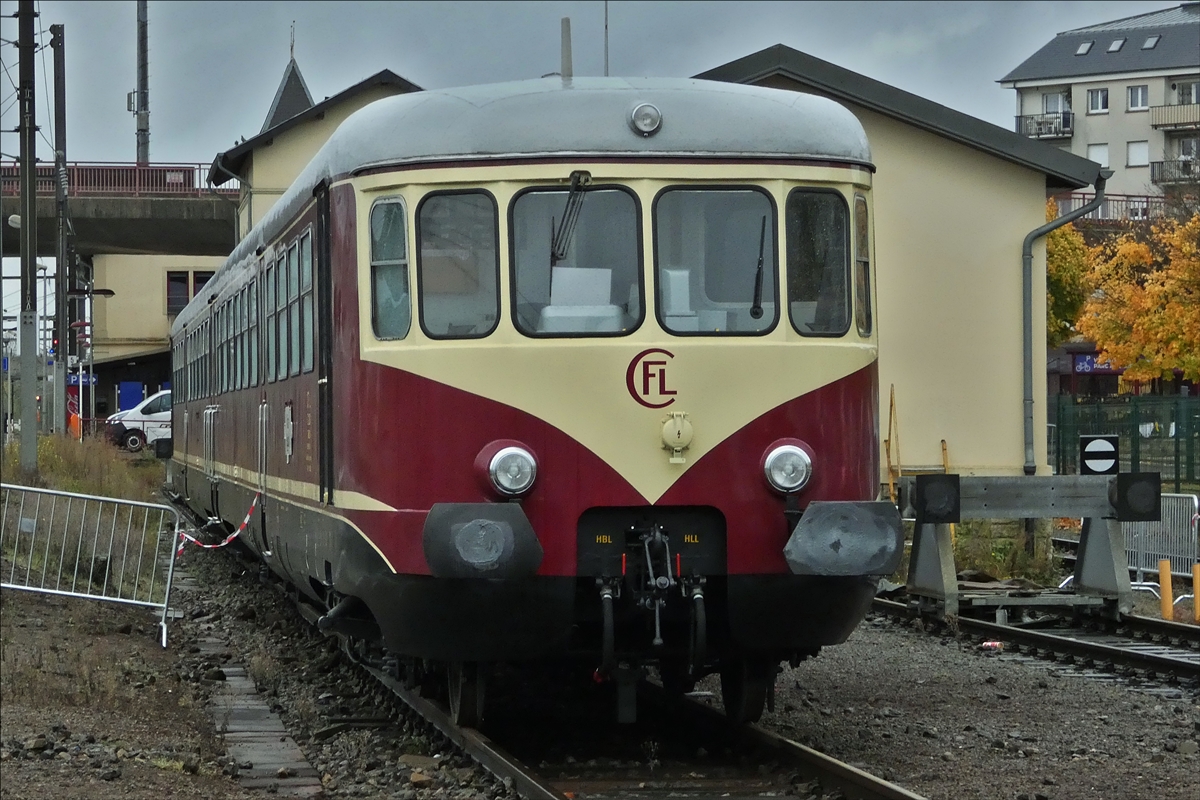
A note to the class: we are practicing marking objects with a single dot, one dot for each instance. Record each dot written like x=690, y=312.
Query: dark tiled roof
x=229, y=164
x=1178, y=47
x=291, y=98
x=1062, y=169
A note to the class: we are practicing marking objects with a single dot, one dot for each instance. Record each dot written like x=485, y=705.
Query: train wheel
x=744, y=686
x=466, y=684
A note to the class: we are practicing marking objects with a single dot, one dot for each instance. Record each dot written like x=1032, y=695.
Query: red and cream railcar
x=557, y=370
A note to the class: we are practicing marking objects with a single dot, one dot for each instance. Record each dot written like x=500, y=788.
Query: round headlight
x=788, y=468
x=645, y=119
x=512, y=471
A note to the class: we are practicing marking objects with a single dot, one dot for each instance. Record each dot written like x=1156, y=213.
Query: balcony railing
x=1179, y=117
x=1060, y=125
x=1115, y=208
x=1182, y=170
x=118, y=180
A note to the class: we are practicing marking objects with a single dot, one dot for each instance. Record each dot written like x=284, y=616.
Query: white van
x=143, y=424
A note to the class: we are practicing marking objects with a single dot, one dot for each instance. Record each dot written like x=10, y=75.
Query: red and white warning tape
x=184, y=537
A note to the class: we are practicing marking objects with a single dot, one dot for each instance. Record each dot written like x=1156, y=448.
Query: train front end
x=619, y=408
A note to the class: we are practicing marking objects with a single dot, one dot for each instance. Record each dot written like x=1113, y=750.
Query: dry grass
x=265, y=671
x=93, y=466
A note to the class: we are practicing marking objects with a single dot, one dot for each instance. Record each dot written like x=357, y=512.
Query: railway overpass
x=127, y=209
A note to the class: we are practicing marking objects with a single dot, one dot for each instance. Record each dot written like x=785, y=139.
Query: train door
x=264, y=440
x=323, y=254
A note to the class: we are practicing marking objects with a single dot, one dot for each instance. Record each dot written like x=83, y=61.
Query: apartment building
x=1125, y=94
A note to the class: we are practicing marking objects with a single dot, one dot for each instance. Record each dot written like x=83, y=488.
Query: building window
x=1084, y=48
x=1098, y=153
x=199, y=280
x=1137, y=154
x=1188, y=93
x=1139, y=98
x=1116, y=46
x=177, y=292
x=1097, y=101
x=1150, y=42
x=1056, y=103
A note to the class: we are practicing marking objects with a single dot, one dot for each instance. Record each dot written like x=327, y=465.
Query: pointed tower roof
x=291, y=98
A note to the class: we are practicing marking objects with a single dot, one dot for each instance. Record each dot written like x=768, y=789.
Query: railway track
x=1155, y=649
x=681, y=749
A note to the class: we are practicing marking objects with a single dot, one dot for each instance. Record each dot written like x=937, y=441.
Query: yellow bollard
x=1196, y=593
x=1166, y=597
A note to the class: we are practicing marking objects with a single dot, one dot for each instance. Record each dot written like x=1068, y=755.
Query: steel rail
x=1162, y=627
x=1118, y=656
x=854, y=783
x=472, y=742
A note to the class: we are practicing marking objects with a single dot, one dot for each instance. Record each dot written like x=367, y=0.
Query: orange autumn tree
x=1066, y=278
x=1144, y=309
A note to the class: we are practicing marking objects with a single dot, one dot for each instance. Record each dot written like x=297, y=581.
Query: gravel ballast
x=934, y=714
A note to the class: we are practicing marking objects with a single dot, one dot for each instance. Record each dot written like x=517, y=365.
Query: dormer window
x=1150, y=42
x=1084, y=48
x=1116, y=45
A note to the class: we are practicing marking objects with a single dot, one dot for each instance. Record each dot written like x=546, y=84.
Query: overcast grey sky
x=215, y=66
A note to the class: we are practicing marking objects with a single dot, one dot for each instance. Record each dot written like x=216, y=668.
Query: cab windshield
x=590, y=287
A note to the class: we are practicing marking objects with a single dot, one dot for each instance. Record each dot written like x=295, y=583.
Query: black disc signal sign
x=1099, y=455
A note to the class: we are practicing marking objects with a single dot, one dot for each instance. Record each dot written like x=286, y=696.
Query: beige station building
x=954, y=199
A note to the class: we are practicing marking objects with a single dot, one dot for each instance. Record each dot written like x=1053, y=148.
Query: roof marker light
x=645, y=119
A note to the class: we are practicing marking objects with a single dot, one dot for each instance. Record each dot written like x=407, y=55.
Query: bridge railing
x=118, y=180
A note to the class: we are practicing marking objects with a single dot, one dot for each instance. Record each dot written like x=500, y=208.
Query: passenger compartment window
x=818, y=262
x=307, y=332
x=391, y=308
x=862, y=267
x=592, y=286
x=715, y=255
x=269, y=308
x=458, y=265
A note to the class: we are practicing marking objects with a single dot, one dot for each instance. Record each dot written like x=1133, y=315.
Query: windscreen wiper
x=560, y=241
x=756, y=310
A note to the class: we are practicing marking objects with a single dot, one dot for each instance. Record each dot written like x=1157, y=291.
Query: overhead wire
x=45, y=82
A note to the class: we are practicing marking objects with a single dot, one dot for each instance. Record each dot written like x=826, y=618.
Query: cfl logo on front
x=646, y=378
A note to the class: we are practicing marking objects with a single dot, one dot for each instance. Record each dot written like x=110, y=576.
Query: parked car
x=146, y=422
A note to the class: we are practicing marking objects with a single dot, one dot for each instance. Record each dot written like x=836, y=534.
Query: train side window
x=715, y=256
x=818, y=262
x=253, y=295
x=862, y=267
x=308, y=332
x=243, y=346
x=594, y=288
x=269, y=309
x=293, y=289
x=281, y=316
x=458, y=265
x=391, y=306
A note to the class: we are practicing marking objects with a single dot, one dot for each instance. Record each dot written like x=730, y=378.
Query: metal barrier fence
x=1174, y=538
x=79, y=545
x=119, y=180
x=1157, y=434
